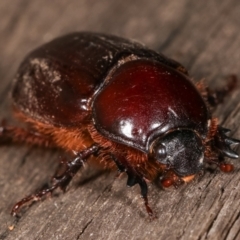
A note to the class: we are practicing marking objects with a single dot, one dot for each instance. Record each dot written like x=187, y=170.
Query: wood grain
x=202, y=35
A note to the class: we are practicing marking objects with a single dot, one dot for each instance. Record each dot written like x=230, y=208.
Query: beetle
x=104, y=97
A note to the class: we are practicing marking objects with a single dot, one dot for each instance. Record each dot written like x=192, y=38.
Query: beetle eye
x=159, y=152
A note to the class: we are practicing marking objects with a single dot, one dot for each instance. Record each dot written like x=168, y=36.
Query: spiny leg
x=220, y=147
x=62, y=181
x=134, y=178
x=223, y=145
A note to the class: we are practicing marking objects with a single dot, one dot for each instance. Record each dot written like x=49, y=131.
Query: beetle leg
x=120, y=166
x=21, y=135
x=216, y=97
x=222, y=143
x=135, y=178
x=61, y=181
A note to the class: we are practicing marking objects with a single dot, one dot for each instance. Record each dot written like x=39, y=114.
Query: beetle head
x=182, y=150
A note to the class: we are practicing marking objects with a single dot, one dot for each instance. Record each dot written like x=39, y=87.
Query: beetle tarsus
x=31, y=198
x=61, y=181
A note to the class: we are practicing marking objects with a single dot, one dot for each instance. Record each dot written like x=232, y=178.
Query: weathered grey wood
x=205, y=37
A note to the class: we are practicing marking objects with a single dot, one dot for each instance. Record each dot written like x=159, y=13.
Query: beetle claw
x=224, y=130
x=223, y=143
x=228, y=152
x=232, y=141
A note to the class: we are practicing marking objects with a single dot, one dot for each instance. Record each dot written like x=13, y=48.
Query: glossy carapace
x=113, y=99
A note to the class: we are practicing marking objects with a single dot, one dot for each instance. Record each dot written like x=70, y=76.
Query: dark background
x=205, y=37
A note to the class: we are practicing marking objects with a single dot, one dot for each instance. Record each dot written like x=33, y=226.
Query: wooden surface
x=202, y=35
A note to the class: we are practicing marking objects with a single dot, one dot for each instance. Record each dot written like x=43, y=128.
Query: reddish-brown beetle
x=116, y=100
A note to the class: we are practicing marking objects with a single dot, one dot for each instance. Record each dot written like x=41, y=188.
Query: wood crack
x=84, y=228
